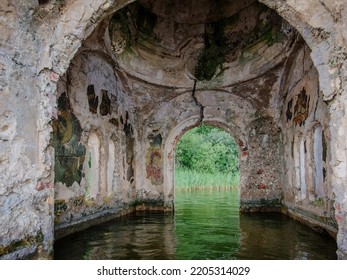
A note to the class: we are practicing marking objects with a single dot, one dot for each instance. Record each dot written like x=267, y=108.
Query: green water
x=206, y=225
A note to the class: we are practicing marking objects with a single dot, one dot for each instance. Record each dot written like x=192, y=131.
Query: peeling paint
x=132, y=79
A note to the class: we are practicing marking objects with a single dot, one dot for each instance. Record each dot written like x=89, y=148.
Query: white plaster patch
x=8, y=126
x=65, y=193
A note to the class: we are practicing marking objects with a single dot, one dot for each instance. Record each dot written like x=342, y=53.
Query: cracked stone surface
x=96, y=94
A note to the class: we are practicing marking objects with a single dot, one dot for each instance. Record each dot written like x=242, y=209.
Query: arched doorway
x=66, y=40
x=206, y=158
x=244, y=84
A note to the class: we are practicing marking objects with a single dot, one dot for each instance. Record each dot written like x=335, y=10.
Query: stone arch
x=325, y=45
x=300, y=160
x=302, y=156
x=93, y=166
x=67, y=39
x=53, y=39
x=170, y=147
x=296, y=158
x=318, y=161
x=111, y=165
x=314, y=22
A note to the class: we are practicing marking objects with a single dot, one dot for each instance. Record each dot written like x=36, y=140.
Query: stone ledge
x=316, y=222
x=261, y=205
x=65, y=229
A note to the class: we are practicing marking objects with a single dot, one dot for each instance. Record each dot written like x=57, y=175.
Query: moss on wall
x=145, y=21
x=23, y=243
x=224, y=39
x=119, y=21
x=134, y=22
x=217, y=46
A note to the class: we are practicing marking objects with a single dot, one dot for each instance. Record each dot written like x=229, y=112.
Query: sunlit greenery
x=195, y=179
x=206, y=156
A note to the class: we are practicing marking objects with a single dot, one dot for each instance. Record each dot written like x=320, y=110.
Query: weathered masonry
x=96, y=93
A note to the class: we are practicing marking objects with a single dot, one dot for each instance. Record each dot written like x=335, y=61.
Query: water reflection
x=135, y=237
x=276, y=236
x=206, y=225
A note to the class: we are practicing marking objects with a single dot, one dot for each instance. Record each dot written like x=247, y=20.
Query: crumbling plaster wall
x=94, y=145
x=323, y=28
x=326, y=36
x=53, y=38
x=306, y=138
x=26, y=188
x=258, y=138
x=244, y=91
x=247, y=110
